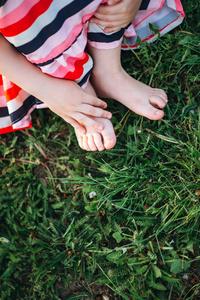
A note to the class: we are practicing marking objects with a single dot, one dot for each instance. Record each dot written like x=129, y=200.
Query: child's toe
x=157, y=101
x=98, y=141
x=91, y=143
x=85, y=143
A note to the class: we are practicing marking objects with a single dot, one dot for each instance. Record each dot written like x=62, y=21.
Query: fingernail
x=100, y=127
x=109, y=116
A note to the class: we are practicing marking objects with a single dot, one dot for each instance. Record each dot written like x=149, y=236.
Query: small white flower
x=192, y=111
x=124, y=250
x=92, y=194
x=106, y=298
x=194, y=200
x=172, y=241
x=90, y=175
x=139, y=131
x=150, y=180
x=185, y=276
x=4, y=240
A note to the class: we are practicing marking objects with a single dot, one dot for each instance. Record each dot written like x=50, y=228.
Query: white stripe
x=5, y=122
x=16, y=103
x=162, y=32
x=73, y=51
x=53, y=41
x=170, y=3
x=46, y=18
x=61, y=35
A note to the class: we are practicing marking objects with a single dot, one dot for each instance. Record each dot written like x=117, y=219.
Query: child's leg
x=111, y=81
x=97, y=140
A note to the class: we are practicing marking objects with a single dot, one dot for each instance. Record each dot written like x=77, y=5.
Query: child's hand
x=116, y=14
x=75, y=106
x=64, y=97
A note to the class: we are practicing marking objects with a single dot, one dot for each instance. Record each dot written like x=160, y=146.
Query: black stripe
x=4, y=112
x=21, y=112
x=66, y=12
x=2, y=2
x=104, y=38
x=144, y=4
x=51, y=60
x=85, y=78
x=38, y=102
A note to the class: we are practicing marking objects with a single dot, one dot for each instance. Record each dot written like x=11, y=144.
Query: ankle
x=106, y=71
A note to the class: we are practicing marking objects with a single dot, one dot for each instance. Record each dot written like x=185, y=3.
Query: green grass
x=137, y=236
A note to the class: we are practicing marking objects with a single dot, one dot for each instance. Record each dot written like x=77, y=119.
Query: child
x=52, y=38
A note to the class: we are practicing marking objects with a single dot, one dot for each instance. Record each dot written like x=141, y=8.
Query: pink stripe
x=147, y=38
x=155, y=3
x=18, y=13
x=1, y=91
x=58, y=49
x=179, y=8
x=105, y=45
x=142, y=19
x=70, y=32
x=7, y=83
x=62, y=70
x=25, y=122
x=9, y=6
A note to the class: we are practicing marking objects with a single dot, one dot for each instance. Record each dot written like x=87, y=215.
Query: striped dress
x=53, y=35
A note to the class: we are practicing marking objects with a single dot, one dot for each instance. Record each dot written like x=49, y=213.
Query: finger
x=85, y=121
x=117, y=23
x=113, y=2
x=112, y=29
x=111, y=17
x=75, y=124
x=94, y=101
x=95, y=111
x=108, y=10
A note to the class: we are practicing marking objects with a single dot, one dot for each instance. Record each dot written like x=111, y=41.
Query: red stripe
x=78, y=68
x=12, y=92
x=23, y=24
x=10, y=128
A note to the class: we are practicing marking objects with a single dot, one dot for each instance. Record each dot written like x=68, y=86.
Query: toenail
x=158, y=112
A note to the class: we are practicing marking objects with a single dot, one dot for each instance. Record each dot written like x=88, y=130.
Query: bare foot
x=95, y=139
x=140, y=98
